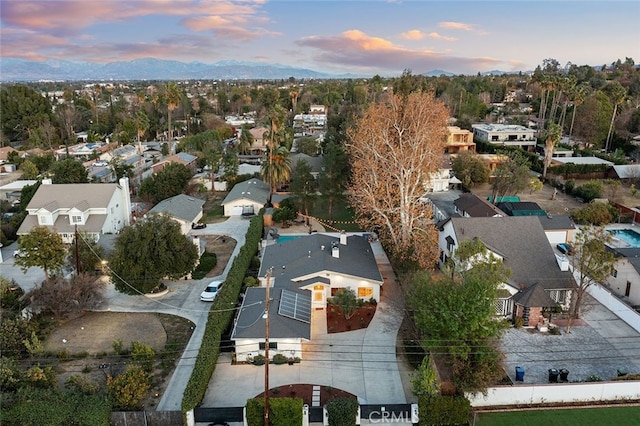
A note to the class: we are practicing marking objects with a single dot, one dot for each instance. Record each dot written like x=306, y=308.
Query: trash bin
x=553, y=375
x=564, y=373
x=519, y=374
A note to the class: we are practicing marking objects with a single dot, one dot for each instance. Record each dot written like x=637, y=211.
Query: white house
x=506, y=134
x=305, y=272
x=182, y=208
x=625, y=279
x=246, y=198
x=289, y=323
x=94, y=208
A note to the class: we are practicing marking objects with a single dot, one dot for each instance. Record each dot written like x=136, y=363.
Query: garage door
x=236, y=211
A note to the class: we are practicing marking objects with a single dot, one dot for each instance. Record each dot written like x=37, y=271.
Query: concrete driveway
x=600, y=347
x=26, y=280
x=362, y=362
x=183, y=299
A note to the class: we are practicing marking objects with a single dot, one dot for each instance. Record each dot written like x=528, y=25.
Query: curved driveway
x=183, y=300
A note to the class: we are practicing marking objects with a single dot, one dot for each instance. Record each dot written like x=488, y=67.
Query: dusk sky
x=363, y=37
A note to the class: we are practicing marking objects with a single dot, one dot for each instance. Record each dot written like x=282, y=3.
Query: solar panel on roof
x=296, y=306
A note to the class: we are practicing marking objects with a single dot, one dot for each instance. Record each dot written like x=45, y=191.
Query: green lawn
x=618, y=416
x=342, y=216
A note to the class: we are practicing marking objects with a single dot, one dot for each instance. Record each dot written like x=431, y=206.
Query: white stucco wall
x=251, y=347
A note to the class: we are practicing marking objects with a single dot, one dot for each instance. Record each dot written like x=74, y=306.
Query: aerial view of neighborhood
x=239, y=212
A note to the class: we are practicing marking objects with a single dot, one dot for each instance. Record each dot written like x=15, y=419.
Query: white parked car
x=100, y=163
x=210, y=292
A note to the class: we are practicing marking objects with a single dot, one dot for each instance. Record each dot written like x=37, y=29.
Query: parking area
x=598, y=347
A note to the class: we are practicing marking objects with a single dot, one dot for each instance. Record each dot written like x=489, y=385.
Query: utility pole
x=266, y=352
x=77, y=258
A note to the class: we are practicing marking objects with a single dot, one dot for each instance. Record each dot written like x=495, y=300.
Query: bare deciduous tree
x=394, y=146
x=68, y=298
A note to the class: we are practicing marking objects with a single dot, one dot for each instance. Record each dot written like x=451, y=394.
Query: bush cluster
x=219, y=317
x=444, y=410
x=282, y=411
x=208, y=261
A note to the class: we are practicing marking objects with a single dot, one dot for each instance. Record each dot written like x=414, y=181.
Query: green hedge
x=282, y=411
x=342, y=412
x=444, y=410
x=219, y=318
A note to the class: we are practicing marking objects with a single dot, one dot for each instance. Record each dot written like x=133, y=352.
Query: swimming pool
x=629, y=236
x=285, y=238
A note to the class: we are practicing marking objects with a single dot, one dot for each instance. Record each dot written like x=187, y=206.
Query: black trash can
x=519, y=374
x=564, y=374
x=553, y=375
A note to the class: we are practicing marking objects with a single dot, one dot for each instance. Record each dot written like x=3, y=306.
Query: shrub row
x=444, y=410
x=219, y=318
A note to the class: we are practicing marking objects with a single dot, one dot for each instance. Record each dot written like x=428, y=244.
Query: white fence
x=615, y=305
x=553, y=394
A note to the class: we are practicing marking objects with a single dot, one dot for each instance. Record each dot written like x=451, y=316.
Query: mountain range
x=12, y=69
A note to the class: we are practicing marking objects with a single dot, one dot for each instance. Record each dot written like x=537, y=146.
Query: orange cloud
x=413, y=35
x=357, y=49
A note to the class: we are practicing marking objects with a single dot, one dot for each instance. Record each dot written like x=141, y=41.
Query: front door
x=318, y=297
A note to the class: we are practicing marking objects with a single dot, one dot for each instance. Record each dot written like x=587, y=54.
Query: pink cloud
x=357, y=49
x=438, y=36
x=455, y=26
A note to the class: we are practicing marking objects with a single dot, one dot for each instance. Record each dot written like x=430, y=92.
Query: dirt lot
x=85, y=345
x=223, y=248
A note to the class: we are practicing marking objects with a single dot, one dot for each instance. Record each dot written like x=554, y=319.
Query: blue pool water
x=629, y=236
x=285, y=238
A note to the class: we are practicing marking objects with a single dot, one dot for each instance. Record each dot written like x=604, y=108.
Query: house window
x=558, y=296
x=76, y=219
x=615, y=273
x=627, y=291
x=272, y=345
x=365, y=292
x=334, y=290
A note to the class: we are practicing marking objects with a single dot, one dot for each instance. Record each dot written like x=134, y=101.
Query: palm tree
x=617, y=93
x=578, y=94
x=173, y=100
x=245, y=141
x=277, y=170
x=142, y=123
x=553, y=137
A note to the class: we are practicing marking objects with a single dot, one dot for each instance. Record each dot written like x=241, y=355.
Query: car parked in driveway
x=565, y=248
x=198, y=225
x=210, y=292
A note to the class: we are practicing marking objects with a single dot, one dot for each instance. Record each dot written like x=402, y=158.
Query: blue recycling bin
x=553, y=375
x=519, y=374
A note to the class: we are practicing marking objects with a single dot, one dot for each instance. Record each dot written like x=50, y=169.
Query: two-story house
x=540, y=279
x=506, y=135
x=93, y=208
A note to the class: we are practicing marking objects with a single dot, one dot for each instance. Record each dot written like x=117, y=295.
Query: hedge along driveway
x=219, y=317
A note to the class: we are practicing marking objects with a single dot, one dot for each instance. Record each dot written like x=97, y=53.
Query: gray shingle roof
x=68, y=195
x=180, y=206
x=475, y=206
x=251, y=325
x=252, y=189
x=534, y=296
x=304, y=256
x=559, y=222
x=521, y=239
